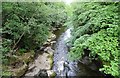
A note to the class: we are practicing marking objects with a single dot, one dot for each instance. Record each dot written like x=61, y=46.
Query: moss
x=51, y=61
x=53, y=75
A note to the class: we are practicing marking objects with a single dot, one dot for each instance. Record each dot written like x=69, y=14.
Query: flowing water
x=62, y=66
x=60, y=55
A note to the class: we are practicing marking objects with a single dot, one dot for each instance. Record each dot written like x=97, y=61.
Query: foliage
x=26, y=25
x=106, y=47
x=96, y=29
x=77, y=51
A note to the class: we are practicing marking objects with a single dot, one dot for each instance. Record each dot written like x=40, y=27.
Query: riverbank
x=32, y=63
x=51, y=60
x=43, y=63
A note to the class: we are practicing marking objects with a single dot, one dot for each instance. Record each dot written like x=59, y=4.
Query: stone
x=53, y=42
x=47, y=42
x=49, y=50
x=51, y=37
x=41, y=48
x=51, y=73
x=43, y=62
x=31, y=67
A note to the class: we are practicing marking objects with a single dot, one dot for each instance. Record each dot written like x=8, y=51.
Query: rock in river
x=51, y=73
x=43, y=62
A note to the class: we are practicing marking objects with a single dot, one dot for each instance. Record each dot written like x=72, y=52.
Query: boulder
x=43, y=62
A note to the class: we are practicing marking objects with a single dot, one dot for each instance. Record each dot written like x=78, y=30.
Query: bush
x=26, y=25
x=96, y=30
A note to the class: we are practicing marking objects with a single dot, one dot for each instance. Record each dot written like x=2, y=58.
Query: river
x=62, y=66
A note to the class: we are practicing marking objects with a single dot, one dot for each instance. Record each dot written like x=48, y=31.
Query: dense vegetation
x=26, y=25
x=96, y=32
